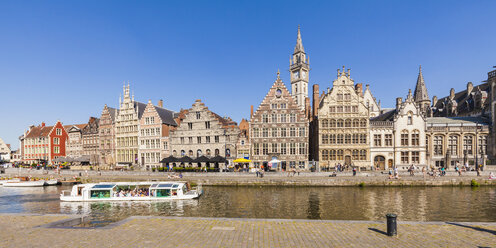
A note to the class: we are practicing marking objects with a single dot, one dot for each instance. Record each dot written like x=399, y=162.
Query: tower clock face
x=303, y=74
x=296, y=74
x=278, y=93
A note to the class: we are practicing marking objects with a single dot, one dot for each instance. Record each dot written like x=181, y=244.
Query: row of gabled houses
x=344, y=124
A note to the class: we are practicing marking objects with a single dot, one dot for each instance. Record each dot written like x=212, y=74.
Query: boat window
x=103, y=186
x=165, y=185
x=175, y=186
x=174, y=192
x=184, y=189
x=100, y=194
x=154, y=185
x=163, y=192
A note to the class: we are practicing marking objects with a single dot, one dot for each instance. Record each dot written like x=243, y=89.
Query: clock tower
x=299, y=68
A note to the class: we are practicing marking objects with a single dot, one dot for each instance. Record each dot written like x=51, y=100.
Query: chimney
x=251, y=112
x=399, y=100
x=315, y=100
x=470, y=87
x=161, y=103
x=359, y=89
x=42, y=124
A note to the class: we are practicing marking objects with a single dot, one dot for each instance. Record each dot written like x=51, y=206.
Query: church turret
x=420, y=95
x=299, y=68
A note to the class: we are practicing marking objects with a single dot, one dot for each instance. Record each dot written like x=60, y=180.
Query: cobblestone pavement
x=25, y=231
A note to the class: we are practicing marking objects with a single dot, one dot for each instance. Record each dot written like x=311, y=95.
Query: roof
x=461, y=97
x=39, y=131
x=113, y=112
x=140, y=108
x=225, y=122
x=80, y=126
x=469, y=120
x=387, y=116
x=166, y=115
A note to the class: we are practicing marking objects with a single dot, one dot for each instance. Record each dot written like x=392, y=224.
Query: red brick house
x=44, y=143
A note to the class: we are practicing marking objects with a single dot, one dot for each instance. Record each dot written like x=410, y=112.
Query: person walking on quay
x=354, y=171
x=478, y=170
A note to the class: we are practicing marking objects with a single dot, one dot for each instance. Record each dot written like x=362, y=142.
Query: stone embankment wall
x=363, y=179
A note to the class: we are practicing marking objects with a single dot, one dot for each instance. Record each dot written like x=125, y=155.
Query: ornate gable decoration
x=278, y=94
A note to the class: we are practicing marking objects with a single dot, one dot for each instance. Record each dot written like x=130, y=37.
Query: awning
x=201, y=159
x=185, y=159
x=218, y=159
x=242, y=160
x=170, y=159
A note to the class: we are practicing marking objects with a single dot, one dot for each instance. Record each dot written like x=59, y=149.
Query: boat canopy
x=164, y=185
x=103, y=186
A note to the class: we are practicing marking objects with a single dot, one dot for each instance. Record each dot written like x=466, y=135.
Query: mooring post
x=391, y=225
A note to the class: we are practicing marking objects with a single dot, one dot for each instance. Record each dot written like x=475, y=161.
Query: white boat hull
x=127, y=199
x=40, y=183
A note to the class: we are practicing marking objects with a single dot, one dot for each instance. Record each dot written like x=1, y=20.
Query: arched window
x=404, y=137
x=228, y=152
x=410, y=118
x=453, y=145
x=355, y=155
x=183, y=153
x=363, y=154
x=340, y=123
x=347, y=123
x=190, y=153
x=208, y=152
x=468, y=141
x=415, y=138
x=332, y=155
x=325, y=139
x=339, y=155
x=216, y=152
x=324, y=123
x=438, y=144
x=356, y=123
x=325, y=155
x=363, y=123
x=332, y=123
x=198, y=153
x=174, y=153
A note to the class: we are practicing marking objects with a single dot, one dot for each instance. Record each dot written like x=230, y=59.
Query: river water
x=329, y=203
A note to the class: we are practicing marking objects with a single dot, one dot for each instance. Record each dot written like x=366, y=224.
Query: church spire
x=420, y=89
x=299, y=44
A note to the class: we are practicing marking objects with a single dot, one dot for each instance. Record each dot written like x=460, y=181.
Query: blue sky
x=63, y=60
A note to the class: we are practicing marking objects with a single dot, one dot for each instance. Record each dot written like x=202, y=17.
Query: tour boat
x=131, y=191
x=20, y=183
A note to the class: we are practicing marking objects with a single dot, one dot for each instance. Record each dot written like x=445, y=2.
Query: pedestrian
x=478, y=171
x=354, y=171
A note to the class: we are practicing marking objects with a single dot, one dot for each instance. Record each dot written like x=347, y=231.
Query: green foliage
x=361, y=185
x=474, y=183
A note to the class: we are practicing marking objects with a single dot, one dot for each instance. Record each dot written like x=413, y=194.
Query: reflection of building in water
x=370, y=210
x=422, y=205
x=313, y=206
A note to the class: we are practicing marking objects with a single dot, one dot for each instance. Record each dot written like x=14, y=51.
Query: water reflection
x=343, y=203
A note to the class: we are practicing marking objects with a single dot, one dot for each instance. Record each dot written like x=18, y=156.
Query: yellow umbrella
x=242, y=160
